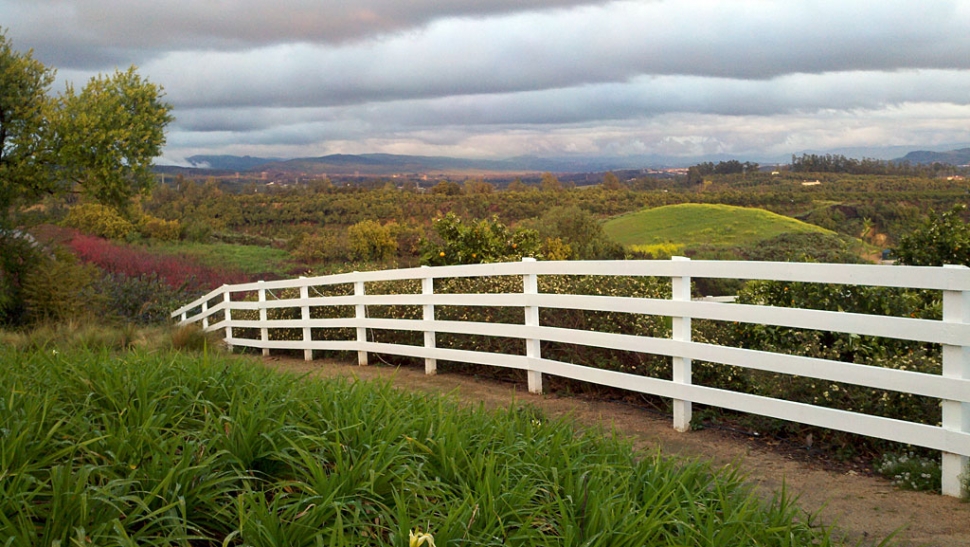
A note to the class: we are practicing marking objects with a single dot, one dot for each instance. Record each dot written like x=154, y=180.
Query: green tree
x=475, y=242
x=549, y=183
x=107, y=136
x=371, y=241
x=611, y=182
x=25, y=152
x=940, y=239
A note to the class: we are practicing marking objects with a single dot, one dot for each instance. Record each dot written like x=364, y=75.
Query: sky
x=504, y=78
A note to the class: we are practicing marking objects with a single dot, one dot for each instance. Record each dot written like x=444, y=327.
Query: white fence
x=952, y=437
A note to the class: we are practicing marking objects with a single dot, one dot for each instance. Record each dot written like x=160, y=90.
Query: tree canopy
x=100, y=141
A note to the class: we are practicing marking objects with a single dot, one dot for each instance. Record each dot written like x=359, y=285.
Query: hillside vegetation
x=695, y=224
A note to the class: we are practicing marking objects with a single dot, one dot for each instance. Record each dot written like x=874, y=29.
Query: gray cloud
x=500, y=77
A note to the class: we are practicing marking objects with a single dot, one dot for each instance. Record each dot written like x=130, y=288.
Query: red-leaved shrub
x=178, y=272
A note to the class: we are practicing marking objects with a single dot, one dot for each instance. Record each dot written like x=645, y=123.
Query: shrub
x=162, y=230
x=940, y=239
x=369, y=240
x=98, y=220
x=178, y=272
x=144, y=300
x=475, y=242
x=59, y=289
x=910, y=471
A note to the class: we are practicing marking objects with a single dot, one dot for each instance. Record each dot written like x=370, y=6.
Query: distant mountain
x=953, y=157
x=229, y=163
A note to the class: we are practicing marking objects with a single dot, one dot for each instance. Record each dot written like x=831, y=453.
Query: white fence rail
x=952, y=388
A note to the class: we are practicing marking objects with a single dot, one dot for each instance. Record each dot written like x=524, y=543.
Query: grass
x=693, y=224
x=164, y=448
x=249, y=259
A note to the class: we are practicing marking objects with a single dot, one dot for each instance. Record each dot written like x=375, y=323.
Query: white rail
x=952, y=388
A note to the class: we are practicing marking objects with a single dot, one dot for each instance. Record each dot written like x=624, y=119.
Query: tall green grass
x=171, y=449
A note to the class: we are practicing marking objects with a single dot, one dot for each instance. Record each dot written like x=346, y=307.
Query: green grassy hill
x=693, y=224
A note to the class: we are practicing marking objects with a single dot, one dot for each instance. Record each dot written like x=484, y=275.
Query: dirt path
x=863, y=507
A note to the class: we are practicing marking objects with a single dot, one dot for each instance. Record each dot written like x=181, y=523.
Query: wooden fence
x=952, y=437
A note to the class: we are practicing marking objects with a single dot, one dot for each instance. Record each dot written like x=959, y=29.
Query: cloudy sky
x=502, y=78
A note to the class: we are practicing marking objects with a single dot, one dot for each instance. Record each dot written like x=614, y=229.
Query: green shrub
x=159, y=229
x=98, y=220
x=60, y=288
x=371, y=241
x=911, y=471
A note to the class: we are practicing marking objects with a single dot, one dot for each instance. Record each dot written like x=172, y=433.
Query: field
x=693, y=224
x=249, y=259
x=168, y=448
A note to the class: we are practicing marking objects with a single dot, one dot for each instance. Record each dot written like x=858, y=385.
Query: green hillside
x=693, y=224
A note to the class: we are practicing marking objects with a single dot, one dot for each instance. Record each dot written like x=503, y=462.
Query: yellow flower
x=442, y=253
x=418, y=539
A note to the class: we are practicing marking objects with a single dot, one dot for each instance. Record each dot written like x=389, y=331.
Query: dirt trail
x=863, y=507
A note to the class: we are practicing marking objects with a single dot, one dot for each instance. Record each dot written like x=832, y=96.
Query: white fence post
x=530, y=285
x=360, y=312
x=205, y=320
x=263, y=318
x=681, y=365
x=427, y=313
x=956, y=364
x=227, y=299
x=305, y=316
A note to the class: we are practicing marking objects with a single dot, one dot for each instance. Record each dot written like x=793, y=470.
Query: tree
x=369, y=240
x=611, y=182
x=549, y=183
x=940, y=239
x=107, y=136
x=102, y=139
x=25, y=152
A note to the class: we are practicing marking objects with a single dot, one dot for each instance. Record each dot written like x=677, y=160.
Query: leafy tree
x=447, y=188
x=549, y=183
x=475, y=242
x=107, y=136
x=101, y=140
x=25, y=152
x=940, y=239
x=611, y=182
x=371, y=241
x=580, y=232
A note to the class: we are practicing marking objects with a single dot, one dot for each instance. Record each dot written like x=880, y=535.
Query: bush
x=162, y=230
x=98, y=220
x=940, y=239
x=145, y=299
x=910, y=471
x=370, y=241
x=475, y=242
x=59, y=289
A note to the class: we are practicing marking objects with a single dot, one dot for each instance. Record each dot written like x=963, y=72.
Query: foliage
x=19, y=256
x=696, y=173
x=938, y=240
x=177, y=272
x=235, y=453
x=911, y=471
x=160, y=229
x=25, y=154
x=98, y=220
x=486, y=240
x=59, y=288
x=145, y=299
x=804, y=247
x=371, y=241
x=580, y=231
x=108, y=135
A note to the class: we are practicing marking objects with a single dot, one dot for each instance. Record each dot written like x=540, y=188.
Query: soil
x=863, y=507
